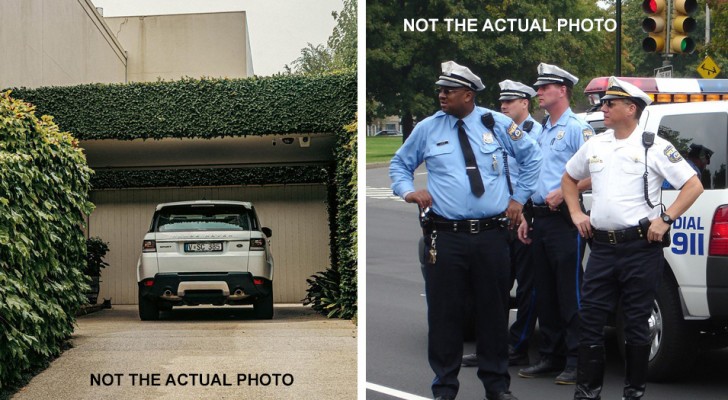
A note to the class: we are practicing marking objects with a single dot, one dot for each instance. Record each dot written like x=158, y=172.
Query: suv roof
x=205, y=202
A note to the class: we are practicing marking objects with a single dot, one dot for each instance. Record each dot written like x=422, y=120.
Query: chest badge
x=487, y=138
x=560, y=135
x=595, y=160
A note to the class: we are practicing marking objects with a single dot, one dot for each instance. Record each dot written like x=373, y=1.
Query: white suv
x=205, y=252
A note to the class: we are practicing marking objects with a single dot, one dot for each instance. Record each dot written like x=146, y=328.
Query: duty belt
x=618, y=236
x=542, y=210
x=466, y=225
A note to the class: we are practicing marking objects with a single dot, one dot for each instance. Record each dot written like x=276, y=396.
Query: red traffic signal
x=654, y=24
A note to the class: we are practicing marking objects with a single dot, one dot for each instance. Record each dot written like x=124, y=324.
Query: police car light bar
x=666, y=90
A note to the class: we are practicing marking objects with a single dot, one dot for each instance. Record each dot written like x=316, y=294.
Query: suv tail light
x=718, y=245
x=257, y=244
x=149, y=246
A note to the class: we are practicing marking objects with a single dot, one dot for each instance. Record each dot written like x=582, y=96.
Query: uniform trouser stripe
x=578, y=270
x=529, y=317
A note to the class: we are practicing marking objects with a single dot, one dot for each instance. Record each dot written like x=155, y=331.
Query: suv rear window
x=707, y=130
x=203, y=218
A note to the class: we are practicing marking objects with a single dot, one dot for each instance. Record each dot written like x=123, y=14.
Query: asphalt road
x=396, y=334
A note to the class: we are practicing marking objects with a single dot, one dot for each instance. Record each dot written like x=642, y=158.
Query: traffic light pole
x=618, y=47
x=668, y=20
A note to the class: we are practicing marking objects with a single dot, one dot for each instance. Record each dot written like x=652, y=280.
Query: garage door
x=296, y=214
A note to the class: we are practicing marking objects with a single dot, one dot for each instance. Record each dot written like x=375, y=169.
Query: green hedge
x=204, y=108
x=116, y=179
x=334, y=292
x=44, y=184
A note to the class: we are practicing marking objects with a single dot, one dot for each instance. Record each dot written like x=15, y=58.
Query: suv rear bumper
x=204, y=288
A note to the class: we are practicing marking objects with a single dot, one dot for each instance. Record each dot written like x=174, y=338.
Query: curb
x=89, y=308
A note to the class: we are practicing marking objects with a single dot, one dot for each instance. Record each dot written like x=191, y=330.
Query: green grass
x=381, y=148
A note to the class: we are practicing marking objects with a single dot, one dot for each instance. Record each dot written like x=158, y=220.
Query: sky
x=278, y=29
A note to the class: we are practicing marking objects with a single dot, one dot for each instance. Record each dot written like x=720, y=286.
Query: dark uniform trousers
x=557, y=253
x=628, y=273
x=466, y=264
x=522, y=272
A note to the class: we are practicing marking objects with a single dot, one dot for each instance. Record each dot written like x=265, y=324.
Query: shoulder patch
x=587, y=133
x=672, y=154
x=514, y=132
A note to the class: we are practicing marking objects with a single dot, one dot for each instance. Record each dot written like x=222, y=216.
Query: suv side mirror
x=267, y=231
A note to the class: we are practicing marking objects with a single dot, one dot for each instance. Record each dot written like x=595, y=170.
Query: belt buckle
x=474, y=225
x=612, y=237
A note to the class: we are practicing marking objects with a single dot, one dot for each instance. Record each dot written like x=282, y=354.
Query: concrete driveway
x=203, y=353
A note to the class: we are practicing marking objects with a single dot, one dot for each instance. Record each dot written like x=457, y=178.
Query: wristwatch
x=666, y=218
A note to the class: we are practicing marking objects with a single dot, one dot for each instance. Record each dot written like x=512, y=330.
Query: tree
x=403, y=66
x=342, y=41
x=313, y=60
x=340, y=51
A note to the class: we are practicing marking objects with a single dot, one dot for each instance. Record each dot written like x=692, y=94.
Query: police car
x=691, y=308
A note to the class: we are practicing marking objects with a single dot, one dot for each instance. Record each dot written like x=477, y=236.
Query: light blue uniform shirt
x=435, y=142
x=558, y=143
x=534, y=133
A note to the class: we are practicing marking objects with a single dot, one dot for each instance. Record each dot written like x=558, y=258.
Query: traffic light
x=682, y=24
x=654, y=25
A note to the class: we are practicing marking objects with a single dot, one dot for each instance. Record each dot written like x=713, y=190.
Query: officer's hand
x=554, y=199
x=421, y=197
x=657, y=230
x=523, y=230
x=514, y=213
x=583, y=224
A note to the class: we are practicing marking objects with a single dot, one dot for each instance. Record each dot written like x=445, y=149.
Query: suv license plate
x=203, y=247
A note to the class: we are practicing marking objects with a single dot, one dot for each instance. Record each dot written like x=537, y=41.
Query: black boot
x=637, y=358
x=589, y=372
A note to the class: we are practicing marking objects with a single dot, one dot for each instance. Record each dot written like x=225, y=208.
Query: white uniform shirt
x=616, y=168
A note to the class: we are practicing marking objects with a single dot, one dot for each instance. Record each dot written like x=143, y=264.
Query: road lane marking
x=394, y=392
x=382, y=193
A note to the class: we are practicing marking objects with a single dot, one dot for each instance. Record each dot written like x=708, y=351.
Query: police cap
x=618, y=89
x=456, y=75
x=548, y=74
x=511, y=90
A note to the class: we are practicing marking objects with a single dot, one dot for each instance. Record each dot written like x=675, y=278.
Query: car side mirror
x=267, y=231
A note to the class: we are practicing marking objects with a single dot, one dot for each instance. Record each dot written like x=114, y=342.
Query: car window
x=598, y=126
x=702, y=139
x=209, y=218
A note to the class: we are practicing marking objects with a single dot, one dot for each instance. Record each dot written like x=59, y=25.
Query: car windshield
x=203, y=218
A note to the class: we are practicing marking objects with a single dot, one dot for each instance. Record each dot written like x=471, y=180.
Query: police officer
x=557, y=247
x=466, y=237
x=626, y=261
x=515, y=98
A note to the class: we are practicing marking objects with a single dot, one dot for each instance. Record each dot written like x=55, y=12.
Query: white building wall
x=171, y=47
x=56, y=43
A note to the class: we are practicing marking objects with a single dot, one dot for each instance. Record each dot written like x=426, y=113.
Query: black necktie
x=471, y=167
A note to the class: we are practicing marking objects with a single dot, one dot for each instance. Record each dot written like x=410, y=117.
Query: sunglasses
x=446, y=91
x=611, y=102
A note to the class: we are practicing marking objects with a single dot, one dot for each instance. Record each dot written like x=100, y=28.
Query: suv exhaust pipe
x=238, y=294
